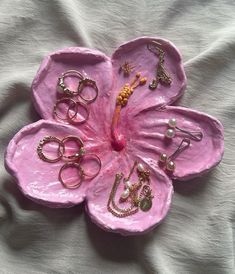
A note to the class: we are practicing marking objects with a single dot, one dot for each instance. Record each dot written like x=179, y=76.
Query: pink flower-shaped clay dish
x=138, y=135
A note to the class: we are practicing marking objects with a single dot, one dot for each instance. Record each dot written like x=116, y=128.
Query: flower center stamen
x=118, y=140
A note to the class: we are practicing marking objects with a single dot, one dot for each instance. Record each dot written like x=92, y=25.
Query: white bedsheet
x=198, y=234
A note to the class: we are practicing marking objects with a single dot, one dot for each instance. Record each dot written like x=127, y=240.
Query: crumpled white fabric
x=198, y=234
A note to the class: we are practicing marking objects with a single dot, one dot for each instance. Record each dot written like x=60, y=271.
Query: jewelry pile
x=71, y=160
x=138, y=195
x=69, y=95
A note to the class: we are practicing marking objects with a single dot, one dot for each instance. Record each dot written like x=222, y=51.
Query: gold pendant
x=146, y=204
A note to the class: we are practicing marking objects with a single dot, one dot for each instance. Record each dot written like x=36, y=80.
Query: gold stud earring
x=127, y=68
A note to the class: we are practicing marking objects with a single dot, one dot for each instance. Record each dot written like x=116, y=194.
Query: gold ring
x=97, y=159
x=47, y=140
x=71, y=102
x=72, y=120
x=61, y=87
x=87, y=82
x=80, y=144
x=80, y=172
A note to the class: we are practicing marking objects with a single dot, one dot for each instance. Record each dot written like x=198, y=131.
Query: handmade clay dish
x=138, y=134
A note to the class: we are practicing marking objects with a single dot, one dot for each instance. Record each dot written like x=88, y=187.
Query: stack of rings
x=69, y=94
x=72, y=161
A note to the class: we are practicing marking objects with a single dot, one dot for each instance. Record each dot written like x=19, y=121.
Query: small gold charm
x=153, y=84
x=146, y=202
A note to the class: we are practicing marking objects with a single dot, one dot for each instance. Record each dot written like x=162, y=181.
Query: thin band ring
x=71, y=120
x=84, y=83
x=78, y=154
x=80, y=171
x=72, y=104
x=89, y=175
x=47, y=140
x=62, y=88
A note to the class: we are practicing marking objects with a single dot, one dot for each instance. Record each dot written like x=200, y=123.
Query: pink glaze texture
x=142, y=125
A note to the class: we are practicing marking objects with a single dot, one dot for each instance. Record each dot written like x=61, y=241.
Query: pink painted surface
x=140, y=130
x=139, y=223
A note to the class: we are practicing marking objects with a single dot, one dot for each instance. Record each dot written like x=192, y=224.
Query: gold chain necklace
x=142, y=201
x=116, y=211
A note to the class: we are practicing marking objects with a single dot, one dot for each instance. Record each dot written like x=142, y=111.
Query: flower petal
x=149, y=139
x=136, y=53
x=91, y=63
x=138, y=223
x=37, y=179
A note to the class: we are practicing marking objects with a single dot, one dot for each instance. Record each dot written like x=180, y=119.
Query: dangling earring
x=166, y=162
x=162, y=75
x=171, y=131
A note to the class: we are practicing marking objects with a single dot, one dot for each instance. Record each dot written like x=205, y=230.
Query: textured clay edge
x=9, y=165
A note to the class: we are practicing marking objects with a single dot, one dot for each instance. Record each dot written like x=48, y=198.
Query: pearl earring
x=167, y=161
x=143, y=173
x=171, y=131
x=139, y=195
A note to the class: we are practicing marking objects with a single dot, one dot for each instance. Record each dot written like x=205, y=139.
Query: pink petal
x=148, y=140
x=37, y=179
x=139, y=223
x=136, y=53
x=91, y=63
